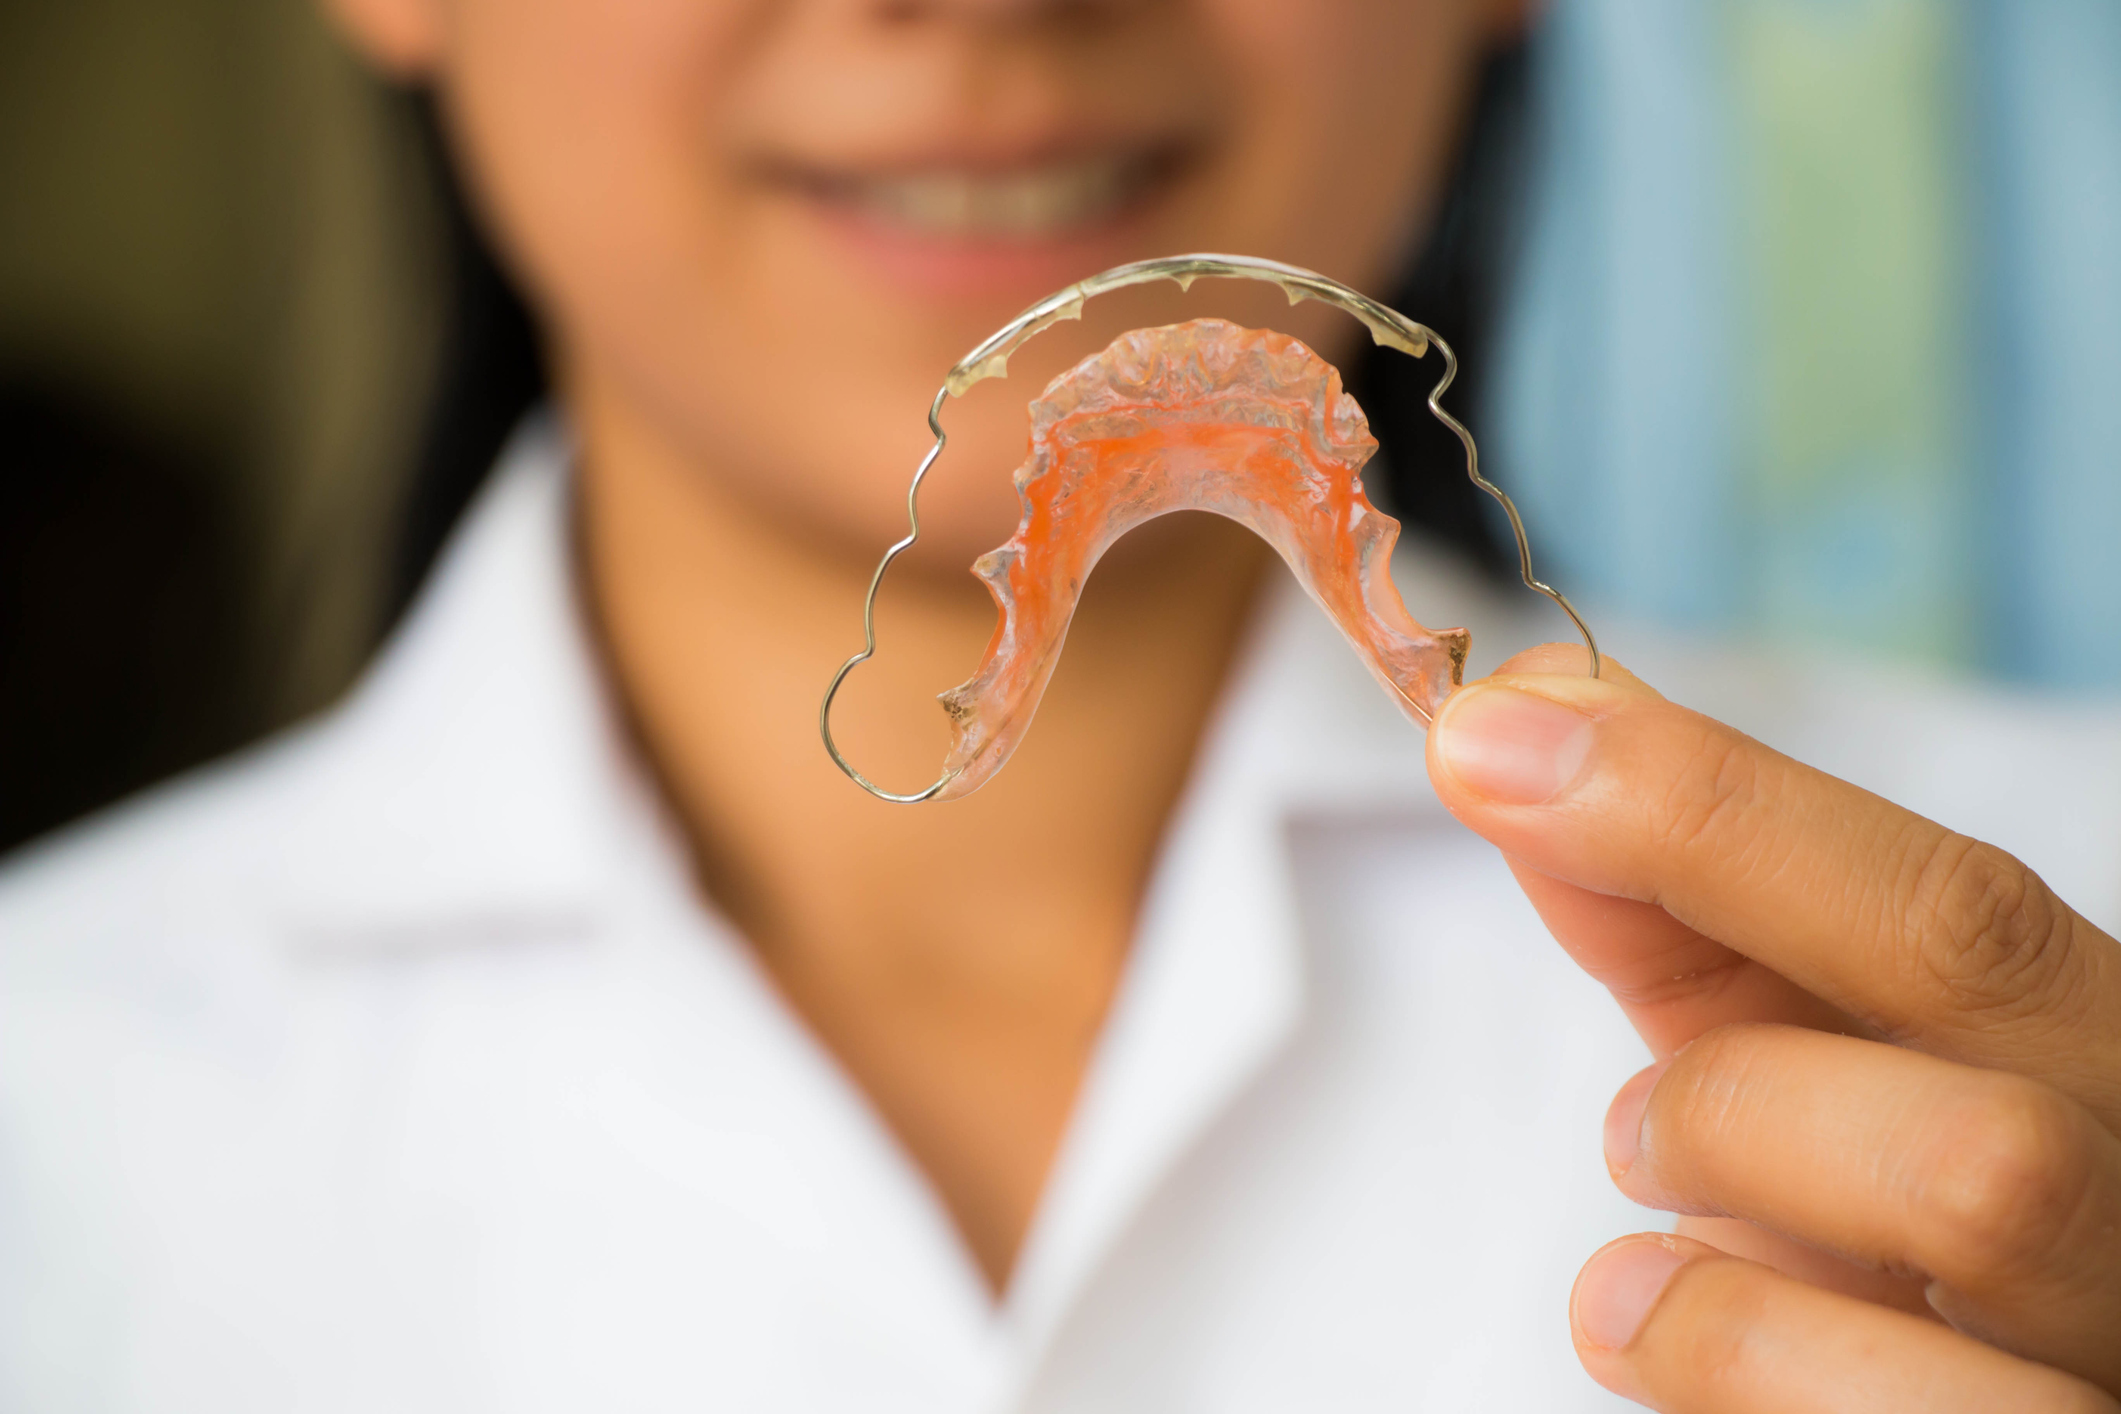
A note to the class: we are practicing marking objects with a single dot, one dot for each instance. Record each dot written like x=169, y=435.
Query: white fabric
x=396, y=1066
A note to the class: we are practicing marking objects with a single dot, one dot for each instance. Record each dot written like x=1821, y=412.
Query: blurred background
x=253, y=362
x=1818, y=334
x=1792, y=320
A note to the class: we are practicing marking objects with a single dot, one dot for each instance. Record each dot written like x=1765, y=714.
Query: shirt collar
x=476, y=785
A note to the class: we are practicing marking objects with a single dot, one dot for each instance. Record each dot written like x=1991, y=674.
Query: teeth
x=1014, y=205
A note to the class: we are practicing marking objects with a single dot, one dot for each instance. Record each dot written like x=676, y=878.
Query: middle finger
x=2000, y=1189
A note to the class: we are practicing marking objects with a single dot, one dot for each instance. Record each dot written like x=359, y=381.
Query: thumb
x=1492, y=743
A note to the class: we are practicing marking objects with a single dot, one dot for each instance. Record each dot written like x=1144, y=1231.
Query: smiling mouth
x=1024, y=205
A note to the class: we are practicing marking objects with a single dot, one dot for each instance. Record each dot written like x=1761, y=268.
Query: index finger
x=1933, y=938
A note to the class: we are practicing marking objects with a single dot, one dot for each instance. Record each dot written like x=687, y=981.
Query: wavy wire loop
x=1387, y=326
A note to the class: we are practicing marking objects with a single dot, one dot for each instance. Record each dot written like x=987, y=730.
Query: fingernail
x=1623, y=1122
x=1619, y=1286
x=1510, y=746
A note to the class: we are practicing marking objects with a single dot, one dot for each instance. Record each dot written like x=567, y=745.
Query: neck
x=959, y=958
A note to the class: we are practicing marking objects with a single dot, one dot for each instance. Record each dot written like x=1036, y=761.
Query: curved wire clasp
x=1387, y=326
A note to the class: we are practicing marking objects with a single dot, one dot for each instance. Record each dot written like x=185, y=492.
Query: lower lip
x=957, y=267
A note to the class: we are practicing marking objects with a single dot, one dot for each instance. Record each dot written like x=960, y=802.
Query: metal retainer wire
x=1387, y=326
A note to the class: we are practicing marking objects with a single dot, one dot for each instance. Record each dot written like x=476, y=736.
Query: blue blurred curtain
x=1817, y=335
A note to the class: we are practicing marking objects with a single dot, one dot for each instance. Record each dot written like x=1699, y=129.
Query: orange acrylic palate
x=1206, y=415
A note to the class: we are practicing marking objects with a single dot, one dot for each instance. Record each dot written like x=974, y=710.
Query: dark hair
x=1454, y=287
x=493, y=369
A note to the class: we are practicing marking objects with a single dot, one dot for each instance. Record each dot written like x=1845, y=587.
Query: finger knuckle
x=1721, y=1067
x=1712, y=1314
x=1701, y=1103
x=1711, y=794
x=2015, y=1171
x=1988, y=931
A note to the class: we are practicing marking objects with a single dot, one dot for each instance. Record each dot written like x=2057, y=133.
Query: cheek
x=585, y=121
x=1349, y=115
x=593, y=129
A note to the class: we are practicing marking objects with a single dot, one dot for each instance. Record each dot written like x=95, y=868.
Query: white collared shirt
x=397, y=1066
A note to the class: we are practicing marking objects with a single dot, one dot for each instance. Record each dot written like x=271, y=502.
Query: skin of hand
x=743, y=225
x=1887, y=1085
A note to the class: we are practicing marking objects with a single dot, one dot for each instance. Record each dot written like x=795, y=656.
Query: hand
x=1887, y=1090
